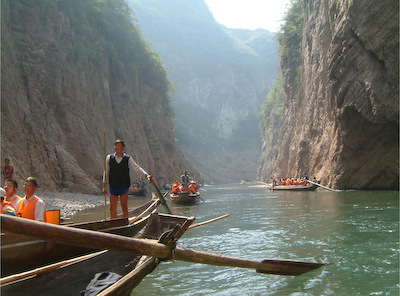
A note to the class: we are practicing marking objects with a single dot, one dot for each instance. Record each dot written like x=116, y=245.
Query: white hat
x=2, y=192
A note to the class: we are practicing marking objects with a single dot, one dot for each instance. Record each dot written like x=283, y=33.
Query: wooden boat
x=138, y=192
x=19, y=253
x=302, y=187
x=73, y=279
x=185, y=198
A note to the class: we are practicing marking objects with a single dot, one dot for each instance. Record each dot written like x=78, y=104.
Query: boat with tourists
x=189, y=196
x=299, y=184
x=19, y=253
x=138, y=189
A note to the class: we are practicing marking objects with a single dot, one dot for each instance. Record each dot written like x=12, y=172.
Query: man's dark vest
x=119, y=172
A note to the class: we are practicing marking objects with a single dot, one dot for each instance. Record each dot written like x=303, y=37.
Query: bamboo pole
x=40, y=270
x=99, y=240
x=322, y=186
x=105, y=177
x=268, y=184
x=208, y=221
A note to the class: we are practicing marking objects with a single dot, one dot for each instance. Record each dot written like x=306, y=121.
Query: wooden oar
x=321, y=186
x=105, y=177
x=268, y=184
x=98, y=240
x=161, y=197
x=208, y=221
x=40, y=270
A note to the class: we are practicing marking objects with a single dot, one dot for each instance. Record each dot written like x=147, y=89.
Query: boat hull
x=185, y=198
x=74, y=278
x=19, y=253
x=294, y=187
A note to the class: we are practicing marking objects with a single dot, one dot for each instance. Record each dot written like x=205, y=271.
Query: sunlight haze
x=248, y=14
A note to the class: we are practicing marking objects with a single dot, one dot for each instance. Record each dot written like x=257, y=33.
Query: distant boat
x=185, y=198
x=301, y=187
x=138, y=192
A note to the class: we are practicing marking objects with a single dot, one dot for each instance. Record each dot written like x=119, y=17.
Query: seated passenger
x=11, y=187
x=6, y=206
x=31, y=206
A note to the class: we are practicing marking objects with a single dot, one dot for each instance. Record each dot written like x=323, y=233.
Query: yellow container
x=53, y=216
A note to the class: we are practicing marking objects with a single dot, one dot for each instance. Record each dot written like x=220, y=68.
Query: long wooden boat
x=302, y=187
x=138, y=192
x=185, y=198
x=75, y=278
x=19, y=253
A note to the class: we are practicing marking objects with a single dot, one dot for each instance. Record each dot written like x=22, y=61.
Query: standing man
x=118, y=177
x=31, y=206
x=185, y=180
x=7, y=170
x=11, y=187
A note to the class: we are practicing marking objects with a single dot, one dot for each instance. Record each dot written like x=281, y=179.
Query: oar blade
x=287, y=267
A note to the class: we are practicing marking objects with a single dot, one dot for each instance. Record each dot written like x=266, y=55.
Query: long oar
x=208, y=221
x=322, y=186
x=268, y=184
x=161, y=197
x=98, y=240
x=105, y=177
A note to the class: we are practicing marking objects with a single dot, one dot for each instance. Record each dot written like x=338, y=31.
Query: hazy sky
x=248, y=14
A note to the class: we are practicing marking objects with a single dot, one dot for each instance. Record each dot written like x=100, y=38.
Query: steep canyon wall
x=55, y=106
x=341, y=121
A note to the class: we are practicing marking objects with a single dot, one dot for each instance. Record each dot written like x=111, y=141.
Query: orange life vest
x=28, y=211
x=192, y=187
x=5, y=207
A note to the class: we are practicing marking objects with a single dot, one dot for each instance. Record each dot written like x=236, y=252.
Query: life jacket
x=15, y=201
x=192, y=187
x=28, y=211
x=175, y=187
x=7, y=208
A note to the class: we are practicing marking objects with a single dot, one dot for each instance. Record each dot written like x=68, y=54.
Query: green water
x=357, y=232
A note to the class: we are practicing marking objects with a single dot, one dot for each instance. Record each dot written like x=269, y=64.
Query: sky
x=248, y=14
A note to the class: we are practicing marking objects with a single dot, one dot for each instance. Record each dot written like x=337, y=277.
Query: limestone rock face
x=55, y=108
x=341, y=123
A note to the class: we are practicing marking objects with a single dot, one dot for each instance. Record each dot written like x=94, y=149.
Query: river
x=356, y=232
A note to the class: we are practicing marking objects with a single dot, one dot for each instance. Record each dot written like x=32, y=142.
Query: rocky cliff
x=57, y=100
x=341, y=121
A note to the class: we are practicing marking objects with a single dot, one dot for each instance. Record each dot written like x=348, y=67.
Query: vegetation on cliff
x=107, y=26
x=273, y=108
x=289, y=38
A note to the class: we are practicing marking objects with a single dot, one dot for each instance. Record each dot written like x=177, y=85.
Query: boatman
x=31, y=206
x=185, y=180
x=118, y=177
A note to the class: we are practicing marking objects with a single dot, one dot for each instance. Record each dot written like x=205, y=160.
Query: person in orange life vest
x=11, y=187
x=31, y=206
x=6, y=206
x=192, y=187
x=7, y=170
x=175, y=187
x=118, y=168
